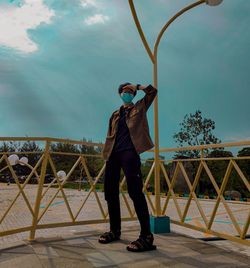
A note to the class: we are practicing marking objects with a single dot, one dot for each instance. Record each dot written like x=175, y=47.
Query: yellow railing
x=233, y=213
x=30, y=207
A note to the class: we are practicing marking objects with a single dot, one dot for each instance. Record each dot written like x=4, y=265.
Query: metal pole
x=156, y=149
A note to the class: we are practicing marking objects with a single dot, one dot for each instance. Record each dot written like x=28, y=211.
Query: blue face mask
x=127, y=97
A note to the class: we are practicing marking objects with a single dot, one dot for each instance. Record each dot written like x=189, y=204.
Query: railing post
x=202, y=153
x=39, y=191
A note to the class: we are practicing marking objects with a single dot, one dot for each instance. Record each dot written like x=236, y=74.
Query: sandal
x=108, y=237
x=142, y=244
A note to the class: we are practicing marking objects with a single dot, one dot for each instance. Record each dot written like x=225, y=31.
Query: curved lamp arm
x=138, y=25
x=164, y=28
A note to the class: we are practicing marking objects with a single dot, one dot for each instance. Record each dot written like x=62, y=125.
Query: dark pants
x=130, y=162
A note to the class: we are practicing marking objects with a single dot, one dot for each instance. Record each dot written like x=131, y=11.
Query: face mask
x=127, y=97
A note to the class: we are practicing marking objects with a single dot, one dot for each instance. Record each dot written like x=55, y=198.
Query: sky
x=61, y=63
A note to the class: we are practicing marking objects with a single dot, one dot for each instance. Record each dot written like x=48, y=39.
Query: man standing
x=127, y=137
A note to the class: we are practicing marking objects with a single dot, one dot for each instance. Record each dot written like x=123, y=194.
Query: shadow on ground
x=83, y=250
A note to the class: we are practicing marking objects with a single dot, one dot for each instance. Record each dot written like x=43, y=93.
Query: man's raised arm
x=151, y=92
x=149, y=96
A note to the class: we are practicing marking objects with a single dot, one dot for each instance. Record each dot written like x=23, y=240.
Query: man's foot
x=108, y=237
x=143, y=243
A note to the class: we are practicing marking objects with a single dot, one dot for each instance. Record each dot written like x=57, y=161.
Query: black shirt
x=122, y=140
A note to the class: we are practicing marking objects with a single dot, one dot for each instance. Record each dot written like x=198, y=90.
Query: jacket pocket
x=108, y=143
x=134, y=113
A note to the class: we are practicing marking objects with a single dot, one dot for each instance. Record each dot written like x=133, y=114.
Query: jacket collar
x=129, y=107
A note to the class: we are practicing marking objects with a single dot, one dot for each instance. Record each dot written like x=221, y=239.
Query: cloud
x=96, y=19
x=89, y=3
x=16, y=21
x=96, y=6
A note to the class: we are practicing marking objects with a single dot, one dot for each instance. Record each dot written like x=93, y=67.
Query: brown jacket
x=137, y=124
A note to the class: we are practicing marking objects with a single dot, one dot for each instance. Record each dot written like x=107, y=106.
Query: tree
x=11, y=146
x=195, y=130
x=219, y=153
x=244, y=152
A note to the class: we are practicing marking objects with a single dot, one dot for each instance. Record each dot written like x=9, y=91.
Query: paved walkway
x=83, y=250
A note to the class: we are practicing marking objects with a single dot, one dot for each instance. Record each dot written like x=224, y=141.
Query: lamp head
x=213, y=2
x=13, y=159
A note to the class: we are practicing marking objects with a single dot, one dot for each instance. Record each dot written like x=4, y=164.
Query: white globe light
x=23, y=160
x=61, y=174
x=13, y=159
x=213, y=2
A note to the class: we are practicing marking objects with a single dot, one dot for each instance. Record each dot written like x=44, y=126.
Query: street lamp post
x=153, y=56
